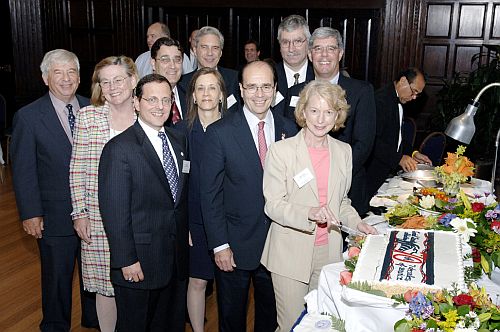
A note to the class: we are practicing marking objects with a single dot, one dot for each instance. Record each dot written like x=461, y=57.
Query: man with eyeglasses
x=390, y=150
x=143, y=200
x=325, y=52
x=166, y=60
x=293, y=37
x=42, y=140
x=209, y=45
x=232, y=201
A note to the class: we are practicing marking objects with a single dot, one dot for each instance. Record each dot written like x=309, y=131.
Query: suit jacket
x=232, y=203
x=41, y=153
x=183, y=100
x=290, y=242
x=359, y=131
x=141, y=220
x=282, y=88
x=231, y=82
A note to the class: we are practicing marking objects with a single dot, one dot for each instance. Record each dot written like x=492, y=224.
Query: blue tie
x=169, y=166
x=71, y=118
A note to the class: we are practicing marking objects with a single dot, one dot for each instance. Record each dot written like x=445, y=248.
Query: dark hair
x=410, y=73
x=251, y=41
x=192, y=113
x=164, y=41
x=156, y=78
x=269, y=62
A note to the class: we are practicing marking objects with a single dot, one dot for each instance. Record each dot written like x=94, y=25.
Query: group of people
x=178, y=171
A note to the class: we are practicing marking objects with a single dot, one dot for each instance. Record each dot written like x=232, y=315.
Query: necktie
x=296, y=76
x=261, y=138
x=169, y=166
x=176, y=115
x=71, y=118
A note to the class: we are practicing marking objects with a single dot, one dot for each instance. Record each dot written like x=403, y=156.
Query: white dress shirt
x=290, y=79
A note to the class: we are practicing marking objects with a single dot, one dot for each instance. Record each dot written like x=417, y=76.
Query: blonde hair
x=97, y=98
x=334, y=96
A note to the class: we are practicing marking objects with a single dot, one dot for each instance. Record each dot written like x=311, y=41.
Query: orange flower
x=345, y=277
x=353, y=252
x=415, y=222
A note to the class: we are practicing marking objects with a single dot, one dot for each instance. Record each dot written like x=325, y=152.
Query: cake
x=411, y=259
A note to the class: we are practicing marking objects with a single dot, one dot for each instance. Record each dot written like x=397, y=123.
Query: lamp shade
x=462, y=128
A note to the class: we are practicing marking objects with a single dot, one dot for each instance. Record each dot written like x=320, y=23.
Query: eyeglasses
x=295, y=42
x=252, y=88
x=329, y=49
x=166, y=59
x=154, y=101
x=414, y=92
x=117, y=81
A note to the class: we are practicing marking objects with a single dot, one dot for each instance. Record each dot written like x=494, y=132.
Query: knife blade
x=350, y=231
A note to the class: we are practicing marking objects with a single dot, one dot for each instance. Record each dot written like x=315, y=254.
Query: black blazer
x=230, y=77
x=282, y=87
x=41, y=152
x=232, y=201
x=359, y=131
x=183, y=100
x=142, y=222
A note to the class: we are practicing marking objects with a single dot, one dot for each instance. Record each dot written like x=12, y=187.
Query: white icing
x=448, y=261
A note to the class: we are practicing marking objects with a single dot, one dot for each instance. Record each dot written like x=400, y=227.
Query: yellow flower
x=451, y=321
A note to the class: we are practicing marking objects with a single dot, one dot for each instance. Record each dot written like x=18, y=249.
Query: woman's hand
x=367, y=229
x=321, y=215
x=82, y=228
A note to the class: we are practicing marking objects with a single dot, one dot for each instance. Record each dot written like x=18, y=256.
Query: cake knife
x=350, y=231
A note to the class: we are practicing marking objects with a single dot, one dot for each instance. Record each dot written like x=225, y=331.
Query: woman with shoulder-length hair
x=111, y=112
x=306, y=181
x=206, y=104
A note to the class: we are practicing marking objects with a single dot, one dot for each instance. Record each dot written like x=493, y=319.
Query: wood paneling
x=435, y=60
x=463, y=58
x=438, y=20
x=471, y=21
x=495, y=28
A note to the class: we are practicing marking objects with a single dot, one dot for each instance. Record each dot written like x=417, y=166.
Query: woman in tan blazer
x=306, y=181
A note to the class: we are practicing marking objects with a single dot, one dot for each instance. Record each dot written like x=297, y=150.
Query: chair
x=433, y=146
x=408, y=132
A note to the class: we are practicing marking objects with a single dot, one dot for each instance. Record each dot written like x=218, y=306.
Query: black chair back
x=433, y=146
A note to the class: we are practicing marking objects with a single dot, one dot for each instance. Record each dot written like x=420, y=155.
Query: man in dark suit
x=166, y=60
x=389, y=144
x=209, y=45
x=233, y=203
x=41, y=151
x=325, y=52
x=143, y=201
x=293, y=37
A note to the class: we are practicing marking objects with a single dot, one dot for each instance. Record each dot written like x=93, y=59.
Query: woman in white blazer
x=306, y=181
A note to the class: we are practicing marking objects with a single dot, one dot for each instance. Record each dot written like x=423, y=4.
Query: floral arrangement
x=449, y=311
x=477, y=220
x=457, y=168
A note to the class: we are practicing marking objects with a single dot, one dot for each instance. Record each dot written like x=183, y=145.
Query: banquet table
x=362, y=311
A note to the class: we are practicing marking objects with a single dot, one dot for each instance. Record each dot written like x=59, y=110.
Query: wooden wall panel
x=471, y=21
x=463, y=58
x=435, y=62
x=495, y=29
x=438, y=20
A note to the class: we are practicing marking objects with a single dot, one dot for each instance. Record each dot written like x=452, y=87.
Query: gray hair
x=208, y=30
x=326, y=32
x=58, y=56
x=292, y=23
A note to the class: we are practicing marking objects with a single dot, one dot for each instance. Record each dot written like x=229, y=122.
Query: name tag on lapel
x=303, y=177
x=186, y=166
x=279, y=97
x=231, y=101
x=294, y=100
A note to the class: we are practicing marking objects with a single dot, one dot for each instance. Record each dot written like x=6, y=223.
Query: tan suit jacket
x=289, y=246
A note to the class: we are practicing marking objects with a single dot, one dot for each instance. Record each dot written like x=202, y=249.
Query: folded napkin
x=315, y=323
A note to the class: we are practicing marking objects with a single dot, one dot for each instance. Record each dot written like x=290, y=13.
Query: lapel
x=51, y=121
x=180, y=155
x=304, y=161
x=149, y=153
x=282, y=83
x=243, y=136
x=334, y=175
x=279, y=130
x=182, y=98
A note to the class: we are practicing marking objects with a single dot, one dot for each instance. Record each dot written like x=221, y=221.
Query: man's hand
x=422, y=158
x=224, y=260
x=133, y=273
x=34, y=226
x=82, y=228
x=407, y=163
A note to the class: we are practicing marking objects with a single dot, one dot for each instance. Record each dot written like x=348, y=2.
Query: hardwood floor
x=20, y=305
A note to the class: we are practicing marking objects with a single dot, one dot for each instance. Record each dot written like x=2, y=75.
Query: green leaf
x=445, y=307
x=402, y=326
x=486, y=263
x=432, y=324
x=463, y=310
x=495, y=257
x=338, y=324
x=484, y=316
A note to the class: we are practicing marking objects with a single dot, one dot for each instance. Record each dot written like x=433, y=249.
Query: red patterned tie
x=261, y=138
x=176, y=115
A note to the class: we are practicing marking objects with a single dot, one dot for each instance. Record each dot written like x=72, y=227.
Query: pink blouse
x=320, y=158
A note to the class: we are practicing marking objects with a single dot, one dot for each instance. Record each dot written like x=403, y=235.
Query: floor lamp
x=462, y=128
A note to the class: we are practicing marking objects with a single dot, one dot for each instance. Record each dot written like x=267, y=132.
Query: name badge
x=294, y=100
x=231, y=101
x=303, y=177
x=186, y=166
x=279, y=97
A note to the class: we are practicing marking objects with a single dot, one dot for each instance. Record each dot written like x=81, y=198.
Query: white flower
x=427, y=202
x=460, y=226
x=486, y=198
x=458, y=329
